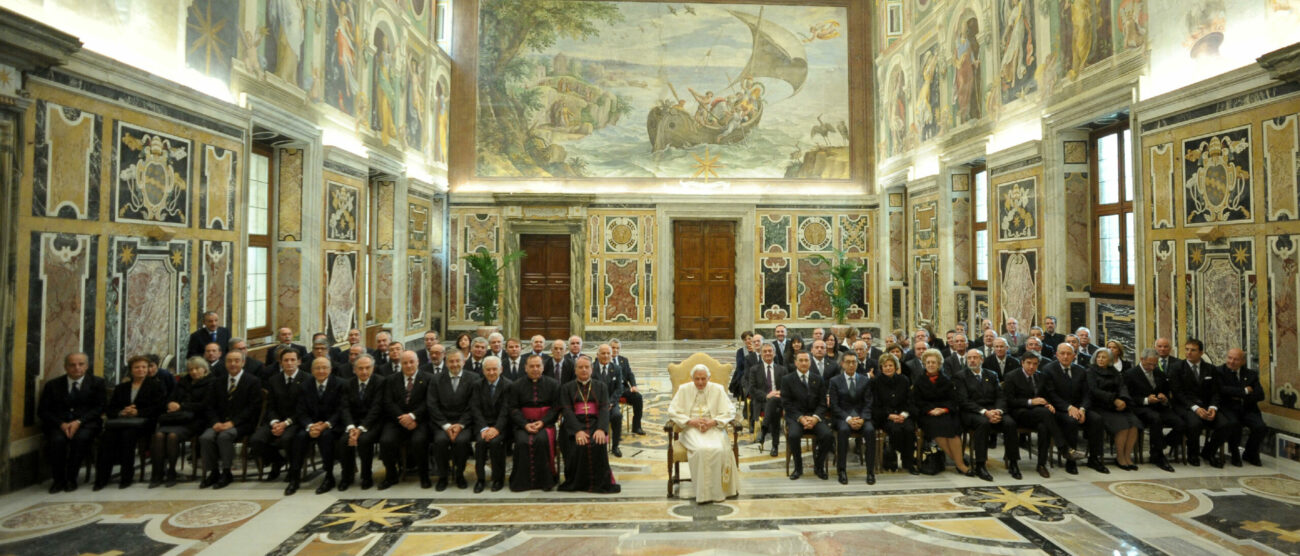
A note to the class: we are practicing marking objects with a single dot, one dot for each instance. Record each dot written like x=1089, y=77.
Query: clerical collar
x=584, y=382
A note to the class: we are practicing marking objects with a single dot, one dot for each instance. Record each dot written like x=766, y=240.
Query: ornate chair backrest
x=680, y=373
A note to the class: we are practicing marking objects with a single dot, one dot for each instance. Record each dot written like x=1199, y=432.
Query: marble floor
x=1249, y=510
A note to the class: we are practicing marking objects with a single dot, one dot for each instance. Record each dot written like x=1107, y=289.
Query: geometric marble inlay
x=217, y=188
x=1149, y=492
x=1281, y=158
x=68, y=154
x=340, y=294
x=53, y=515
x=342, y=212
x=215, y=514
x=1284, y=312
x=1221, y=288
x=153, y=176
x=61, y=305
x=1216, y=178
x=1162, y=185
x=148, y=301
x=1019, y=293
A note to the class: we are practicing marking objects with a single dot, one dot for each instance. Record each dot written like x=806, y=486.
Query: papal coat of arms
x=1217, y=177
x=154, y=187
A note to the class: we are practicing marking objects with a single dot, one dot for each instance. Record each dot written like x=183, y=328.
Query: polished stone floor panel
x=1195, y=511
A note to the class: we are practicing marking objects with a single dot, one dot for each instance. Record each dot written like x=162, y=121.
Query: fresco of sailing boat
x=662, y=90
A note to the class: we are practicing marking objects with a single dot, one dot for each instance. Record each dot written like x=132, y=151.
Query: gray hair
x=364, y=356
x=1150, y=353
x=231, y=344
x=491, y=360
x=1083, y=329
x=976, y=352
x=478, y=340
x=614, y=342
x=496, y=335
x=702, y=367
x=197, y=362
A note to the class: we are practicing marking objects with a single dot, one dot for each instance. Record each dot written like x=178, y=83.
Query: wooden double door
x=704, y=279
x=544, y=293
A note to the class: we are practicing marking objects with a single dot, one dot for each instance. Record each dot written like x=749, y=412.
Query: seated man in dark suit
x=251, y=365
x=611, y=375
x=321, y=348
x=1196, y=393
x=364, y=408
x=1051, y=338
x=630, y=392
x=1034, y=348
x=1070, y=391
x=764, y=387
x=277, y=431
x=1166, y=361
x=803, y=399
x=1150, y=390
x=850, y=407
x=381, y=353
x=345, y=369
x=231, y=414
x=345, y=355
x=956, y=363
x=406, y=416
x=451, y=416
x=71, y=411
x=742, y=356
x=321, y=418
x=1002, y=362
x=210, y=332
x=1239, y=397
x=393, y=366
x=430, y=340
x=478, y=349
x=1028, y=394
x=984, y=411
x=512, y=364
x=553, y=365
x=491, y=422
x=212, y=354
x=334, y=354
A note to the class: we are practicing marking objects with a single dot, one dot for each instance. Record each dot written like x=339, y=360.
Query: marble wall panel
x=1078, y=314
x=1281, y=170
x=416, y=292
x=473, y=228
x=1161, y=164
x=435, y=294
x=980, y=308
x=1078, y=243
x=148, y=302
x=619, y=298
x=963, y=308
x=925, y=224
x=1018, y=295
x=1076, y=152
x=1164, y=254
x=813, y=301
x=438, y=218
x=217, y=188
x=385, y=194
x=454, y=291
x=152, y=176
x=288, y=287
x=1217, y=178
x=1283, y=313
x=1016, y=207
x=774, y=300
x=815, y=234
x=383, y=290
x=61, y=303
x=962, y=269
x=1221, y=296
x=774, y=233
x=342, y=212
x=288, y=185
x=897, y=246
x=216, y=278
x=417, y=225
x=1116, y=320
x=66, y=167
x=340, y=294
x=898, y=308
x=926, y=288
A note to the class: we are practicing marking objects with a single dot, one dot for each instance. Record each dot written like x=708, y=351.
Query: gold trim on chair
x=679, y=374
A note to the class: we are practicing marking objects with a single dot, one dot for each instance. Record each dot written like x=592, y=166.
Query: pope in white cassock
x=703, y=410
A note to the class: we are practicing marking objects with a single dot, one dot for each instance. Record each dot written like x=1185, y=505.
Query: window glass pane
x=1128, y=166
x=1108, y=169
x=255, y=290
x=1108, y=248
x=1129, y=248
x=258, y=194
x=981, y=197
x=442, y=33
x=981, y=254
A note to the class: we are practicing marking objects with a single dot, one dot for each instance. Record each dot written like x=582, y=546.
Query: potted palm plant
x=846, y=282
x=486, y=284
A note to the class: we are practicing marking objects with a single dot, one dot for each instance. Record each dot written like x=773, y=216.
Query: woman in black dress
x=936, y=400
x=181, y=420
x=834, y=349
x=132, y=409
x=463, y=342
x=1109, y=401
x=892, y=411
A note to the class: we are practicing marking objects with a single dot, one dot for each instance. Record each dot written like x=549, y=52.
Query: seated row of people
x=345, y=411
x=1058, y=398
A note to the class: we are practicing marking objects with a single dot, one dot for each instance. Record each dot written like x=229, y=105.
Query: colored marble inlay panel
x=1164, y=255
x=289, y=190
x=1221, y=295
x=66, y=168
x=417, y=225
x=1016, y=207
x=340, y=294
x=926, y=280
x=1161, y=163
x=216, y=278
x=288, y=286
x=775, y=301
x=383, y=288
x=774, y=233
x=620, y=290
x=961, y=241
x=385, y=192
x=855, y=233
x=814, y=301
x=416, y=291
x=1283, y=293
x=1077, y=241
x=467, y=514
x=148, y=297
x=1281, y=153
x=1116, y=321
x=815, y=234
x=848, y=506
x=897, y=248
x=342, y=212
x=220, y=172
x=925, y=224
x=61, y=307
x=1018, y=295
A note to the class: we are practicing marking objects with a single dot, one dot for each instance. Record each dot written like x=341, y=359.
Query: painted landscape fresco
x=570, y=89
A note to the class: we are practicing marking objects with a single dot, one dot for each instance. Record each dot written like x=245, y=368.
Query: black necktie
x=1033, y=386
x=233, y=382
x=492, y=391
x=76, y=388
x=769, y=376
x=320, y=390
x=362, y=393
x=850, y=385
